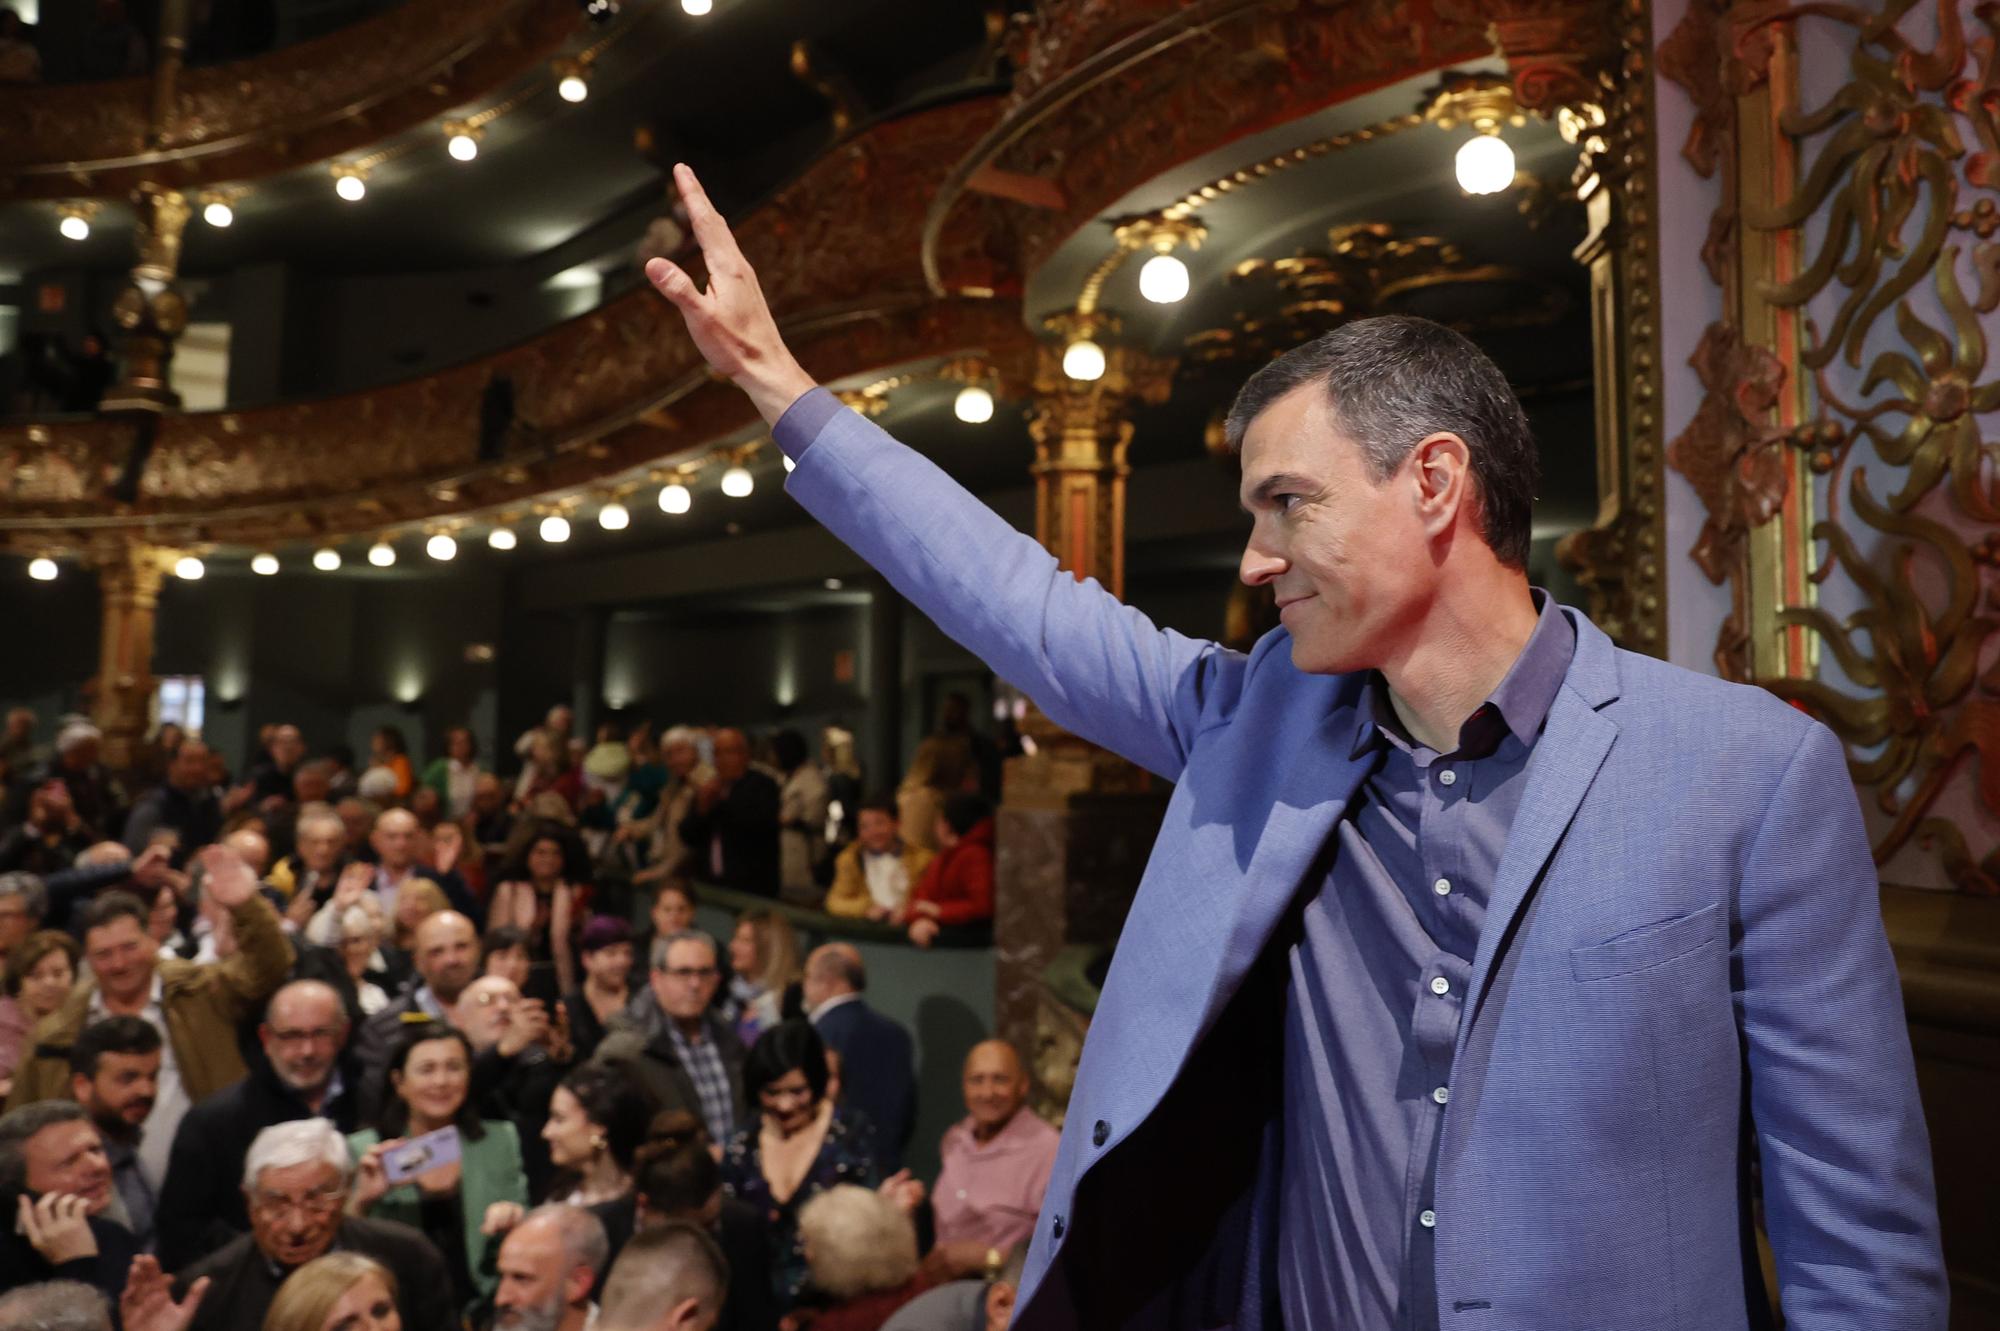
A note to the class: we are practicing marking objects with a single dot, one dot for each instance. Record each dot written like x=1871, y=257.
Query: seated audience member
x=186, y=805
x=541, y=892
x=342, y=1291
x=671, y=1278
x=872, y=878
x=296, y=1180
x=462, y=1205
x=454, y=774
x=388, y=749
x=51, y=838
x=732, y=829
x=115, y=1075
x=308, y=877
x=685, y=1055
x=445, y=953
x=862, y=1251
x=606, y=948
x=40, y=971
x=681, y=1181
x=995, y=1166
x=56, y=1195
x=504, y=952
x=965, y=1305
x=196, y=1008
x=763, y=963
x=598, y=1119
x=799, y=1146
x=878, y=1057
x=957, y=887
x=671, y=912
x=302, y=1074
x=549, y=1268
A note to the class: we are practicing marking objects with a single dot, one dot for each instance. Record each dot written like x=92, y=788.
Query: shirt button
x=1441, y=1094
x=1442, y=887
x=1059, y=1228
x=1447, y=777
x=1428, y=1220
x=1440, y=986
x=1100, y=1133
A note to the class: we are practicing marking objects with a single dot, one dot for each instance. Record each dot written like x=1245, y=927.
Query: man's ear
x=1441, y=465
x=79, y=1086
x=686, y=1316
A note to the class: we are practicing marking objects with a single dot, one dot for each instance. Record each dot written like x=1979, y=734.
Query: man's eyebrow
x=1278, y=483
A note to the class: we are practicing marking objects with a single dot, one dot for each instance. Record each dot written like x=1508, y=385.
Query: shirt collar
x=1521, y=699
x=830, y=1004
x=98, y=1010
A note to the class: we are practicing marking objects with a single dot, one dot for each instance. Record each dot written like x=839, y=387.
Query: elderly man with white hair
x=295, y=1185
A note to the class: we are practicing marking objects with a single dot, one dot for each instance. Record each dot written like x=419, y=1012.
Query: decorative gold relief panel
x=1853, y=507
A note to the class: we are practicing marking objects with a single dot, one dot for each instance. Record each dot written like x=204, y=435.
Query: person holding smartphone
x=432, y=1162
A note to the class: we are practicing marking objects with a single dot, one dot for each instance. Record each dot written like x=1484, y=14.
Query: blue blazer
x=1683, y=973
x=878, y=1073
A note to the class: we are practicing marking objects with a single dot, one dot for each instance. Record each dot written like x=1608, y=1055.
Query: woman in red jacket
x=957, y=888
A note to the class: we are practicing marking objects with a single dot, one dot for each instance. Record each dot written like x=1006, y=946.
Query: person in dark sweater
x=55, y=1188
x=732, y=831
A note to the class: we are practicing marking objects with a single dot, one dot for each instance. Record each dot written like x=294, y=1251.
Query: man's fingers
x=195, y=1291
x=668, y=279
x=710, y=231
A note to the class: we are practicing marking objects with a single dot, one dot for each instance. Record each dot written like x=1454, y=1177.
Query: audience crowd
x=322, y=1044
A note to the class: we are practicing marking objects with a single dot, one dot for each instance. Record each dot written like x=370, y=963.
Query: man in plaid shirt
x=673, y=1044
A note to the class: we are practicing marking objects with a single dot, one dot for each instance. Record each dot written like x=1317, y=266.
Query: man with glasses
x=304, y=1073
x=671, y=1042
x=295, y=1184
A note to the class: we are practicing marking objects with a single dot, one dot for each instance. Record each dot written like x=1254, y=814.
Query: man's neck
x=575, y=1319
x=985, y=1132
x=1464, y=646
x=128, y=1007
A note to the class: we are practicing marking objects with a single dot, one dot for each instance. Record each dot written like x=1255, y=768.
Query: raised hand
x=58, y=1227
x=730, y=323
x=148, y=1301
x=227, y=878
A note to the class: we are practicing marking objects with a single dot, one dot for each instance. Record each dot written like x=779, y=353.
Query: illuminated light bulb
x=1083, y=360
x=264, y=565
x=737, y=482
x=351, y=188
x=1485, y=164
x=697, y=8
x=1163, y=279
x=43, y=569
x=573, y=88
x=463, y=147
x=74, y=227
x=614, y=516
x=326, y=560
x=555, y=528
x=218, y=213
x=973, y=405
x=501, y=538
x=381, y=554
x=675, y=498
x=441, y=546
x=189, y=569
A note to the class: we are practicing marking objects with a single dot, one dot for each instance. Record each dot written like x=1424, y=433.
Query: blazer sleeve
x=1098, y=667
x=1848, y=1193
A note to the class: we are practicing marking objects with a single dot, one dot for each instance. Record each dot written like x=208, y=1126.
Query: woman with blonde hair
x=763, y=962
x=342, y=1291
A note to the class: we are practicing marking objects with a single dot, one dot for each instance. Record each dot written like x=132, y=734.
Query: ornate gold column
x=151, y=312
x=128, y=581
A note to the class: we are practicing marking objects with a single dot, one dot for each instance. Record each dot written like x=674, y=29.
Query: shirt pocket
x=1648, y=946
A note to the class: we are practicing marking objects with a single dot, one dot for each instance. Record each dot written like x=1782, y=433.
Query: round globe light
x=501, y=538
x=973, y=405
x=350, y=188
x=737, y=482
x=1163, y=279
x=264, y=565
x=555, y=529
x=463, y=147
x=1083, y=361
x=188, y=568
x=74, y=228
x=697, y=8
x=614, y=516
x=1485, y=164
x=218, y=214
x=675, y=498
x=326, y=560
x=441, y=546
x=42, y=569
x=573, y=88
x=381, y=554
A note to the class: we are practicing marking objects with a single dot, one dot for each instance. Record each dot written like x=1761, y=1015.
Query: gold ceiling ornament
x=1480, y=102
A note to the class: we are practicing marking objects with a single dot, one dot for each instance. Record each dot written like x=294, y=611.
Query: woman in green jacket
x=463, y=1206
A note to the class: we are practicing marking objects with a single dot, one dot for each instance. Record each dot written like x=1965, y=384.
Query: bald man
x=995, y=1167
x=445, y=953
x=878, y=1058
x=305, y=1073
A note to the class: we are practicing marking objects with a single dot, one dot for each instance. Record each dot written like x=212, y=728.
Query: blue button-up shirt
x=1378, y=973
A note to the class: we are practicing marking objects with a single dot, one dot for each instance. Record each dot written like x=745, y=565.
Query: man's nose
x=1258, y=566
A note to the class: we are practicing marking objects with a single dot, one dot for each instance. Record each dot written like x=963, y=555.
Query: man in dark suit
x=732, y=831
x=295, y=1185
x=877, y=1075
x=302, y=1073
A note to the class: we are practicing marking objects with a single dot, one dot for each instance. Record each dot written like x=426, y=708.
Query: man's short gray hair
x=18, y=1125
x=584, y=1242
x=319, y=814
x=662, y=946
x=658, y=1269
x=33, y=892
x=687, y=735
x=76, y=734
x=303, y=1141
x=55, y=1305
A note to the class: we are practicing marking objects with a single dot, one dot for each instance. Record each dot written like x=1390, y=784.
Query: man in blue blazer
x=877, y=1057
x=1483, y=973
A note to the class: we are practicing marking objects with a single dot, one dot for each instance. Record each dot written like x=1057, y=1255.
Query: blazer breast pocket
x=1647, y=946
